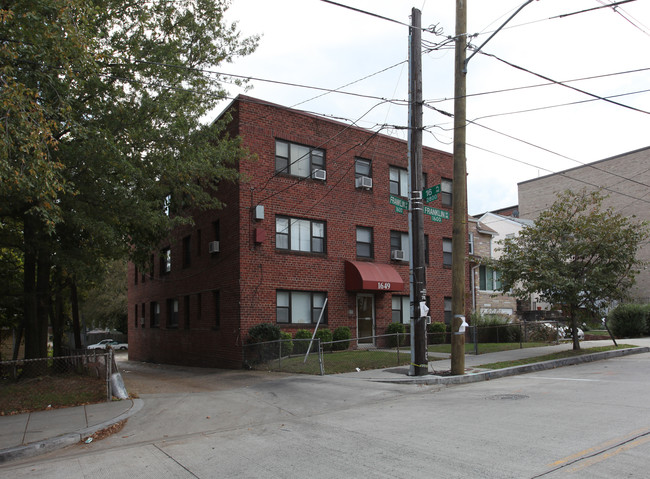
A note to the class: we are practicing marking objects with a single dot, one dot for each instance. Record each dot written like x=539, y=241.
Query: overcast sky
x=317, y=44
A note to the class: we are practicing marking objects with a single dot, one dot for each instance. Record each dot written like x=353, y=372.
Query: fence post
x=109, y=364
x=398, y=341
x=521, y=344
x=320, y=357
x=280, y=355
x=475, y=330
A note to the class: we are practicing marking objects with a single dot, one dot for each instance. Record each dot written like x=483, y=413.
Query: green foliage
x=436, y=332
x=398, y=330
x=629, y=320
x=300, y=347
x=342, y=334
x=264, y=332
x=325, y=336
x=577, y=254
x=104, y=109
x=287, y=344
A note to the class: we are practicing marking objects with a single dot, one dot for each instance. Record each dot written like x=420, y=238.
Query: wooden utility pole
x=459, y=192
x=419, y=355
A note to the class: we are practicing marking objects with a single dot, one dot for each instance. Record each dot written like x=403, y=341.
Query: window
x=300, y=307
x=401, y=309
x=216, y=297
x=446, y=187
x=186, y=312
x=187, y=251
x=364, y=242
x=299, y=235
x=297, y=160
x=400, y=241
x=136, y=315
x=198, y=242
x=142, y=316
x=165, y=261
x=447, y=313
x=362, y=168
x=172, y=313
x=446, y=252
x=155, y=315
x=489, y=279
x=471, y=243
x=398, y=181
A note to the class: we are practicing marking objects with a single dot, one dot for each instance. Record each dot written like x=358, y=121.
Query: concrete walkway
x=25, y=435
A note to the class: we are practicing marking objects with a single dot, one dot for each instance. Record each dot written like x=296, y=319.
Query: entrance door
x=365, y=317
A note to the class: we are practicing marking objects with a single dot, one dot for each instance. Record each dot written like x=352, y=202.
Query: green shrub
x=399, y=330
x=436, y=332
x=343, y=335
x=300, y=347
x=287, y=344
x=628, y=320
x=325, y=336
x=263, y=332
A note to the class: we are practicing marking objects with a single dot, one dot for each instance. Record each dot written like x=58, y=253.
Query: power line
x=598, y=97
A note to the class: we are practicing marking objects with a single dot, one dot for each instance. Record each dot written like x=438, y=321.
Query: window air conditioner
x=363, y=182
x=319, y=175
x=213, y=246
x=397, y=255
x=428, y=320
x=142, y=322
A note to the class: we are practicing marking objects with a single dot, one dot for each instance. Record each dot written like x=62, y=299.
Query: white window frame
x=298, y=160
x=294, y=232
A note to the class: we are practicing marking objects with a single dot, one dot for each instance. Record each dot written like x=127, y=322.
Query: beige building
x=624, y=178
x=484, y=233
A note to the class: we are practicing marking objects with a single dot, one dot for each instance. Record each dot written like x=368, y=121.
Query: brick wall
x=247, y=273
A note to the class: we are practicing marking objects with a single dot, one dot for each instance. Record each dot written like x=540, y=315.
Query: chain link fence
x=36, y=384
x=304, y=356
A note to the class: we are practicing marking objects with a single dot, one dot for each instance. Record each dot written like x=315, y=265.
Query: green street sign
x=431, y=194
x=399, y=203
x=436, y=214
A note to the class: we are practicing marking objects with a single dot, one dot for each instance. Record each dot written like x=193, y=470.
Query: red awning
x=365, y=276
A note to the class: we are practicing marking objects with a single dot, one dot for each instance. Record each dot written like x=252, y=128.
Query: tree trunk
x=76, y=326
x=57, y=318
x=44, y=267
x=29, y=291
x=574, y=330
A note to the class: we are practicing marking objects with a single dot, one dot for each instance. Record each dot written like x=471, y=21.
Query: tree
x=103, y=118
x=578, y=256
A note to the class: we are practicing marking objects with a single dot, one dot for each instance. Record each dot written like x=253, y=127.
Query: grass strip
x=548, y=357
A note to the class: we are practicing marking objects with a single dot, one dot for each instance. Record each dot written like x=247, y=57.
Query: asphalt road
x=585, y=421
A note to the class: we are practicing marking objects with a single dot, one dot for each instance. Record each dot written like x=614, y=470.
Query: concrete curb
x=512, y=371
x=59, y=442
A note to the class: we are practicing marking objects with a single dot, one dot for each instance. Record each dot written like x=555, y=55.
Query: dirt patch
x=149, y=378
x=50, y=392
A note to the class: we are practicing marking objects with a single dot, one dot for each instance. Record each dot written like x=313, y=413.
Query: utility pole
x=419, y=356
x=459, y=199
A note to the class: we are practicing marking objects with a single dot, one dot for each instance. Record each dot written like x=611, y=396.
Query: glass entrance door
x=365, y=317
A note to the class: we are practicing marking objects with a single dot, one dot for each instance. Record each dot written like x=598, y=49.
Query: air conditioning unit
x=428, y=319
x=363, y=182
x=397, y=255
x=319, y=175
x=142, y=322
x=213, y=247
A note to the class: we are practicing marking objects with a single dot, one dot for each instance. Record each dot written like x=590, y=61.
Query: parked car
x=104, y=343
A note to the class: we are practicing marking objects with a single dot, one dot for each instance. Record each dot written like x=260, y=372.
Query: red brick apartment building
x=311, y=220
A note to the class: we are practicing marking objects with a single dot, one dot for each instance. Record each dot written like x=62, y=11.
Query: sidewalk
x=25, y=435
